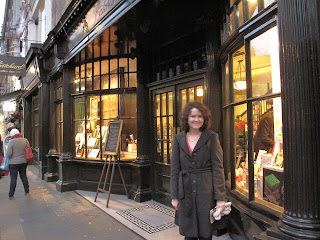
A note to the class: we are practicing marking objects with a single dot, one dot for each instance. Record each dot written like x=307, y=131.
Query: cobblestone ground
x=50, y=215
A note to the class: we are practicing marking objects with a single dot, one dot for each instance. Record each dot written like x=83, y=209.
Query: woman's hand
x=221, y=205
x=175, y=203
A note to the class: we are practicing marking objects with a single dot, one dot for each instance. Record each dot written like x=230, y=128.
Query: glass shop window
x=35, y=121
x=257, y=118
x=91, y=117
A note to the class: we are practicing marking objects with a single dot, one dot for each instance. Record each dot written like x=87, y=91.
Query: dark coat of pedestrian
x=197, y=174
x=18, y=162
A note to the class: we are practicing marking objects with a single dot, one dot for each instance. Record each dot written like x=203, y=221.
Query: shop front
x=260, y=123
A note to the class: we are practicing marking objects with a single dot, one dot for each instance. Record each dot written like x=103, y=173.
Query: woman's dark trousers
x=14, y=169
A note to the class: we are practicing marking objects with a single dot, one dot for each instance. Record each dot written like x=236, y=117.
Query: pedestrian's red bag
x=29, y=155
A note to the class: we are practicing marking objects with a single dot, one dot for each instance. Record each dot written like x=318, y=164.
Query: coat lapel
x=183, y=143
x=203, y=139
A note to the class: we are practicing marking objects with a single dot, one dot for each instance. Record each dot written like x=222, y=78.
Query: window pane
x=123, y=63
x=113, y=81
x=96, y=50
x=93, y=107
x=240, y=13
x=226, y=84
x=82, y=85
x=88, y=83
x=241, y=147
x=132, y=65
x=79, y=106
x=191, y=94
x=82, y=73
x=232, y=24
x=268, y=2
x=239, y=75
x=129, y=139
x=76, y=73
x=96, y=68
x=268, y=174
x=132, y=79
x=123, y=77
x=199, y=94
x=104, y=67
x=114, y=66
x=105, y=46
x=129, y=105
x=265, y=63
x=93, y=139
x=164, y=104
x=109, y=106
x=96, y=83
x=183, y=98
x=105, y=82
x=170, y=103
x=79, y=138
x=157, y=105
x=252, y=8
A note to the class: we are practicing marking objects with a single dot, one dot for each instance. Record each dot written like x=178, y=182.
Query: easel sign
x=111, y=152
x=113, y=138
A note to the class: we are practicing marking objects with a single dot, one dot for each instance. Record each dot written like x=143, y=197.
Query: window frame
x=229, y=116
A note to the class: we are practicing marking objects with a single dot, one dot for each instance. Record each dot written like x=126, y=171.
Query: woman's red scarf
x=17, y=136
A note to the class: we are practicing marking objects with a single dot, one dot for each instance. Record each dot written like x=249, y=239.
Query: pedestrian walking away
x=17, y=162
x=197, y=174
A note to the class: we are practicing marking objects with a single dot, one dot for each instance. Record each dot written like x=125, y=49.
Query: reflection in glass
x=239, y=75
x=252, y=8
x=241, y=146
x=240, y=13
x=265, y=71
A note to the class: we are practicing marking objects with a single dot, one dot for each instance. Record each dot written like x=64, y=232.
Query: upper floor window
x=240, y=11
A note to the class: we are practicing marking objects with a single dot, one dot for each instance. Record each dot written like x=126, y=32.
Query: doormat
x=144, y=217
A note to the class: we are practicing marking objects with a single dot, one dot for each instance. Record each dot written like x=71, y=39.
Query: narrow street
x=50, y=215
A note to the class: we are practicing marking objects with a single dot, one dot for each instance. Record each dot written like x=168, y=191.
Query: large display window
x=91, y=117
x=104, y=88
x=252, y=108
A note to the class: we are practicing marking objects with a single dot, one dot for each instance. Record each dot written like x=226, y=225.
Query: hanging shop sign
x=12, y=66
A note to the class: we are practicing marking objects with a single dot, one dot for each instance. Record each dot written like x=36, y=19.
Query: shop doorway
x=167, y=105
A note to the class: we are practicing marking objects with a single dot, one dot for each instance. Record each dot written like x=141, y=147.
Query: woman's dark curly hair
x=185, y=114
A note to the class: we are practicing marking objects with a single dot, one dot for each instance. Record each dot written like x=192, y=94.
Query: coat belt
x=185, y=189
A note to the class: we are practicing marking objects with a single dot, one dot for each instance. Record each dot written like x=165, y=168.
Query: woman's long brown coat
x=197, y=180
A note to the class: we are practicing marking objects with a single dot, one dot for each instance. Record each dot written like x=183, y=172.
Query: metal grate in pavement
x=140, y=216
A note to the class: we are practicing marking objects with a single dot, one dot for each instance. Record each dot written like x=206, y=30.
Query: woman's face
x=195, y=119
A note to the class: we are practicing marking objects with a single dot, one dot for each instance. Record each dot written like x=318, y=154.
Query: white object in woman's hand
x=175, y=203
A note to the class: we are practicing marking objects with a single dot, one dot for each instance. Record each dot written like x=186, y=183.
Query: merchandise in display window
x=91, y=129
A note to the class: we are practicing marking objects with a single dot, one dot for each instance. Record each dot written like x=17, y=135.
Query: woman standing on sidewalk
x=197, y=175
x=18, y=162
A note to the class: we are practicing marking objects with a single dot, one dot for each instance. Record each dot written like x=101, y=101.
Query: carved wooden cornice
x=72, y=16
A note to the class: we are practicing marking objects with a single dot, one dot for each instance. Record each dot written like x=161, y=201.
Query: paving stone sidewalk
x=50, y=215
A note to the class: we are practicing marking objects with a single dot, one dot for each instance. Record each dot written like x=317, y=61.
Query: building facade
x=253, y=63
